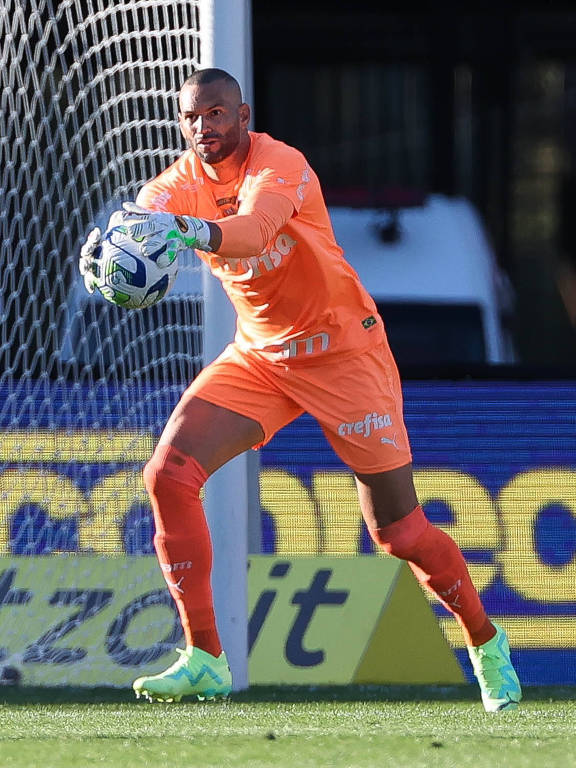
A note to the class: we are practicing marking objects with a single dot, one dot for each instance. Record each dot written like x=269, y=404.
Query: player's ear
x=244, y=113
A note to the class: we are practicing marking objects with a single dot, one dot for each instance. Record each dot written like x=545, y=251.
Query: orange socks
x=182, y=541
x=438, y=564
x=184, y=550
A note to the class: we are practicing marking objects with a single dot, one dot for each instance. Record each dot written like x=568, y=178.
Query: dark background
x=477, y=100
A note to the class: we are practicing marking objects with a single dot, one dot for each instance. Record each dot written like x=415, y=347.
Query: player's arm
x=244, y=234
x=247, y=233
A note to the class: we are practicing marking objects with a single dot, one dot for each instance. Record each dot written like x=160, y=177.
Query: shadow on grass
x=15, y=695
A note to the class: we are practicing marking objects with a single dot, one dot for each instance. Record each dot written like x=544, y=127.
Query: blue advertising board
x=495, y=466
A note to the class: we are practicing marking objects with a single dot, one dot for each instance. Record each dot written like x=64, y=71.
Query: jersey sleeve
x=246, y=233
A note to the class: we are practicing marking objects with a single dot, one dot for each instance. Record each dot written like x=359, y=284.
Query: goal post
x=88, y=113
x=228, y=46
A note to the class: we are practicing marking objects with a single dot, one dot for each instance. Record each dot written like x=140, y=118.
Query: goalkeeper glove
x=90, y=253
x=155, y=229
x=89, y=256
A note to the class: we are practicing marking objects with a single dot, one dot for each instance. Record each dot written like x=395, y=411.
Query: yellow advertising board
x=68, y=620
x=317, y=620
x=91, y=620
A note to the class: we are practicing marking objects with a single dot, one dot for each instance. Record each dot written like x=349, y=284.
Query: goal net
x=88, y=113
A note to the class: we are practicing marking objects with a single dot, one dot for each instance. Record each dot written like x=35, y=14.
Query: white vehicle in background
x=432, y=272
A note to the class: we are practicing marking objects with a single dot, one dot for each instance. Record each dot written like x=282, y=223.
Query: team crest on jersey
x=228, y=205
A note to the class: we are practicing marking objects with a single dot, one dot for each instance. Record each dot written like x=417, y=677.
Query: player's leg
x=210, y=433
x=398, y=525
x=200, y=437
x=362, y=419
x=400, y=528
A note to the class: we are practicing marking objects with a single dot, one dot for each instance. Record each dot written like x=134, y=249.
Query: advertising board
x=495, y=466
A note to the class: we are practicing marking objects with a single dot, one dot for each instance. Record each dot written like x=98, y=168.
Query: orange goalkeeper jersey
x=299, y=298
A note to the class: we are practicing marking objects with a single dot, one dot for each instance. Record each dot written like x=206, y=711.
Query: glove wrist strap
x=195, y=233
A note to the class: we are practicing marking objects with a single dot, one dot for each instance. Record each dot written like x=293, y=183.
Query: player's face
x=212, y=120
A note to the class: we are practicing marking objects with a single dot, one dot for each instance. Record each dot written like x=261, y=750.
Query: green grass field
x=352, y=726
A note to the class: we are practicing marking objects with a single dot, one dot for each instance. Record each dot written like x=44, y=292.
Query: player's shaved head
x=213, y=75
x=213, y=118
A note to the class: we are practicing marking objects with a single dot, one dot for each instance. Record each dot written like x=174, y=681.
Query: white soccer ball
x=127, y=277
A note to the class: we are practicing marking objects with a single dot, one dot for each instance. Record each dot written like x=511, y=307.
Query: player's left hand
x=156, y=229
x=88, y=261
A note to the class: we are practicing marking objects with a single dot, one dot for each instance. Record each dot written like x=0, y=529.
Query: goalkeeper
x=309, y=339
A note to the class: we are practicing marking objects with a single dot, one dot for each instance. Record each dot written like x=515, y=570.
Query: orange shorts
x=356, y=400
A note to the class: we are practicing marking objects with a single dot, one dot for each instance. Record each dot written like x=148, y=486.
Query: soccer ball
x=127, y=277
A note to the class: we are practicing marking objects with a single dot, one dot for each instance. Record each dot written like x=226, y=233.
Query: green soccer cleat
x=497, y=677
x=195, y=673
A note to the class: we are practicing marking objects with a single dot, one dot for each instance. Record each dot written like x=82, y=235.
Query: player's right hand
x=157, y=230
x=88, y=261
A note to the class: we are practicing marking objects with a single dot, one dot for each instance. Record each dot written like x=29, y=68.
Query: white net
x=87, y=114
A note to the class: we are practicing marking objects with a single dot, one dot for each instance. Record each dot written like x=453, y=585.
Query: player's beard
x=227, y=144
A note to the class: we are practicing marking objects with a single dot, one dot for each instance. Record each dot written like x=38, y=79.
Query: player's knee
x=401, y=537
x=154, y=474
x=168, y=465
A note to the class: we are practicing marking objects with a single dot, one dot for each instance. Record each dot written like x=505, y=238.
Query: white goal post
x=88, y=113
x=228, y=46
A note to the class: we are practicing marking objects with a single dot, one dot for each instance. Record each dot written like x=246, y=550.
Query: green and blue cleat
x=196, y=673
x=499, y=684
